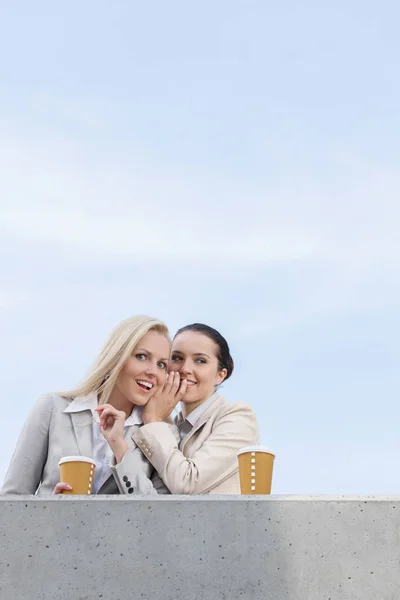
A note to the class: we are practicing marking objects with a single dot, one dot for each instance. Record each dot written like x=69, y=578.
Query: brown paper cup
x=256, y=464
x=78, y=471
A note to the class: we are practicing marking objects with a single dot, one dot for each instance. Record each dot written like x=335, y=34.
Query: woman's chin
x=140, y=400
x=187, y=399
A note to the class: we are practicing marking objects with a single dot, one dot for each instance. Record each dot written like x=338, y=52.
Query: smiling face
x=145, y=371
x=194, y=355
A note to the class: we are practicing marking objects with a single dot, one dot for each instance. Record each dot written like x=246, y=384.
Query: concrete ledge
x=200, y=548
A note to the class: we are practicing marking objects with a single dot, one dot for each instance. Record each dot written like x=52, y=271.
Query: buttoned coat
x=51, y=433
x=205, y=462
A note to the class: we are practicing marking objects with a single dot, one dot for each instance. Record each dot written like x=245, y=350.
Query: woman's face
x=145, y=371
x=194, y=355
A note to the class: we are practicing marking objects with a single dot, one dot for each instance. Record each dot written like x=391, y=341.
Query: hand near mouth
x=161, y=405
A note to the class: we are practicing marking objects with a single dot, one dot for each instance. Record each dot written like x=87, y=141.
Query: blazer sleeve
x=212, y=463
x=136, y=475
x=27, y=463
x=132, y=474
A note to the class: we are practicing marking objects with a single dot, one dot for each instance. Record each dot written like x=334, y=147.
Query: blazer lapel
x=82, y=423
x=202, y=420
x=196, y=428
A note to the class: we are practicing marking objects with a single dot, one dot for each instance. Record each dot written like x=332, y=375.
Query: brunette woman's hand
x=112, y=427
x=61, y=486
x=161, y=405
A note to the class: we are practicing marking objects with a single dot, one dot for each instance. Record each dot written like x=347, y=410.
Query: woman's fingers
x=179, y=391
x=106, y=420
x=165, y=382
x=101, y=412
x=182, y=390
x=104, y=408
x=61, y=486
x=172, y=385
x=164, y=401
x=108, y=414
x=108, y=410
x=176, y=382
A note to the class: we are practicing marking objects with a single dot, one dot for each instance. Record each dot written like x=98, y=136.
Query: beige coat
x=50, y=433
x=206, y=462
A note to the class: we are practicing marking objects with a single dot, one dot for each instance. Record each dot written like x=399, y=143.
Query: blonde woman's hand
x=61, y=486
x=161, y=405
x=112, y=427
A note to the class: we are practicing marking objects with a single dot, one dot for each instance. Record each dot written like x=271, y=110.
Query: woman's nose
x=151, y=369
x=185, y=367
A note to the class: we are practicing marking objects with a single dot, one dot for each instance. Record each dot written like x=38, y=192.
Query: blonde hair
x=117, y=349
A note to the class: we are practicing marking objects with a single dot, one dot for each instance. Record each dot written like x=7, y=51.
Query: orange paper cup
x=256, y=465
x=78, y=471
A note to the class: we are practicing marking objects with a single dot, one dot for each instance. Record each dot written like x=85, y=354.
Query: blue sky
x=235, y=163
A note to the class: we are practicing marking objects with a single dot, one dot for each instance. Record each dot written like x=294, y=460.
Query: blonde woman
x=130, y=369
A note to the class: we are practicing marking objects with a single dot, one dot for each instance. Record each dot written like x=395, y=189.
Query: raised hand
x=111, y=422
x=161, y=405
x=112, y=427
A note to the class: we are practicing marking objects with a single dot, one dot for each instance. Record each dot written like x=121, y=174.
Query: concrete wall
x=200, y=548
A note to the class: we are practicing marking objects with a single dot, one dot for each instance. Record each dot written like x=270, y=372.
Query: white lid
x=256, y=449
x=85, y=459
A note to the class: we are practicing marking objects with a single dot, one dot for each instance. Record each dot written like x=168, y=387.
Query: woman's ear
x=220, y=376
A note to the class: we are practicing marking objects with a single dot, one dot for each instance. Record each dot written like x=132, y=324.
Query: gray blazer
x=49, y=434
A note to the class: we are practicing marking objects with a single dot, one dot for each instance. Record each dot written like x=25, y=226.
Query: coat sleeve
x=136, y=475
x=27, y=463
x=132, y=474
x=212, y=463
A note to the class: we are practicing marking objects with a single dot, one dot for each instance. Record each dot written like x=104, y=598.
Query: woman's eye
x=175, y=358
x=162, y=365
x=140, y=356
x=200, y=361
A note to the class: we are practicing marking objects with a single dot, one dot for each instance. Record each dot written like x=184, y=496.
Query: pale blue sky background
x=235, y=163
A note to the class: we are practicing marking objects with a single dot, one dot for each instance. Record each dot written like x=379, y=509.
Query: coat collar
x=82, y=403
x=82, y=414
x=203, y=418
x=198, y=412
x=90, y=402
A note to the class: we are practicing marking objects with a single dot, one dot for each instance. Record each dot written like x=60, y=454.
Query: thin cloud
x=104, y=210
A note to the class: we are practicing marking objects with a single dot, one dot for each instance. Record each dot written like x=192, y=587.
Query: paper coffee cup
x=256, y=465
x=78, y=471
